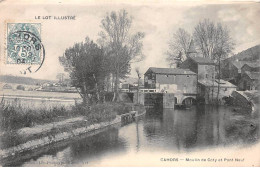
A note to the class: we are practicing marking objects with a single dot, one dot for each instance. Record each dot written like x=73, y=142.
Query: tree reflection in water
x=199, y=127
x=159, y=130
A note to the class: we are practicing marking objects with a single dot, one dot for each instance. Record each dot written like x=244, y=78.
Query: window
x=167, y=75
x=153, y=76
x=225, y=89
x=146, y=79
x=206, y=75
x=188, y=76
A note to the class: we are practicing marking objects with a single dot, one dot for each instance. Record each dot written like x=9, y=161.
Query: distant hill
x=32, y=81
x=22, y=80
x=251, y=54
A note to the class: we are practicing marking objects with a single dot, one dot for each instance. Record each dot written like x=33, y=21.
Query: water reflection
x=99, y=146
x=199, y=127
x=159, y=130
x=172, y=130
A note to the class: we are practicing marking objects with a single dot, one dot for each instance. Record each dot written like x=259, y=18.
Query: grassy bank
x=243, y=125
x=15, y=119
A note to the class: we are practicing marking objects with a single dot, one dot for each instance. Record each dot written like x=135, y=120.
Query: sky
x=157, y=20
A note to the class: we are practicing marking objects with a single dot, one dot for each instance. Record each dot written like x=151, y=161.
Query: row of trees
x=212, y=40
x=91, y=64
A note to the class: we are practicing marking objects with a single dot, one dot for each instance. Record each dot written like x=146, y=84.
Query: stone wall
x=153, y=99
x=37, y=143
x=140, y=98
x=168, y=101
x=206, y=72
x=241, y=100
x=184, y=83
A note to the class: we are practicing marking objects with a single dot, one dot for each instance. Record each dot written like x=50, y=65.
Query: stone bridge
x=165, y=100
x=246, y=99
x=185, y=99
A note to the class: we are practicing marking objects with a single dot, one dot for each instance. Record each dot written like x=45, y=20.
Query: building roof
x=171, y=71
x=253, y=75
x=192, y=47
x=202, y=60
x=253, y=65
x=239, y=64
x=223, y=83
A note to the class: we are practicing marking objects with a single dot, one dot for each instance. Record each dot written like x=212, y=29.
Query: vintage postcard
x=129, y=83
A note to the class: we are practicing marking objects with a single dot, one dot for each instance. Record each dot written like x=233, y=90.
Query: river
x=163, y=130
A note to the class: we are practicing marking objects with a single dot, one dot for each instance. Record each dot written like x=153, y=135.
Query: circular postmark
x=24, y=47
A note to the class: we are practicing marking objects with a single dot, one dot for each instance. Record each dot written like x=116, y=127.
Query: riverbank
x=31, y=138
x=164, y=131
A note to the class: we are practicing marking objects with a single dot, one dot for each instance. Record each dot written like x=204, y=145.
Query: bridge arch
x=189, y=100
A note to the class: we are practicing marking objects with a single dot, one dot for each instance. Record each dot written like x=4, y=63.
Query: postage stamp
x=24, y=43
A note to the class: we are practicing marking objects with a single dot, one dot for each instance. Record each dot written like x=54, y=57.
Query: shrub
x=10, y=139
x=121, y=108
x=16, y=117
x=80, y=109
x=101, y=113
x=20, y=87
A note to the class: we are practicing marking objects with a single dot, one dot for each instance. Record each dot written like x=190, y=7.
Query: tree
x=223, y=47
x=85, y=64
x=178, y=47
x=120, y=44
x=20, y=87
x=179, y=59
x=205, y=37
x=137, y=70
x=212, y=38
x=60, y=77
x=214, y=42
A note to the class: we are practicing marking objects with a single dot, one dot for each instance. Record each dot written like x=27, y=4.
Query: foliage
x=101, y=113
x=20, y=87
x=178, y=47
x=10, y=139
x=106, y=111
x=85, y=63
x=60, y=77
x=16, y=117
x=90, y=66
x=213, y=40
x=121, y=108
x=120, y=44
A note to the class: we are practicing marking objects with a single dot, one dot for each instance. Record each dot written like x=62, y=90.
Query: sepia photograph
x=129, y=83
